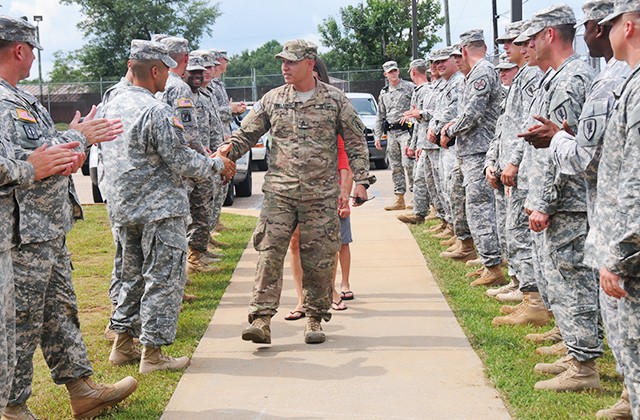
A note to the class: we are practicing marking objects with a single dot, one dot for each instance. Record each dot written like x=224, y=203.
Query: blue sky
x=247, y=24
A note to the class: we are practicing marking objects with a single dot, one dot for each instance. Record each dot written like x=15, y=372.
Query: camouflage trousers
x=629, y=326
x=154, y=257
x=519, y=241
x=446, y=164
x=610, y=319
x=572, y=286
x=46, y=314
x=458, y=207
x=7, y=327
x=401, y=164
x=432, y=179
x=219, y=194
x=116, y=272
x=201, y=206
x=480, y=208
x=421, y=196
x=501, y=201
x=539, y=255
x=319, y=242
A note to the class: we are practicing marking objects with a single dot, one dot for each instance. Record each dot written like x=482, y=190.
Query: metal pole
x=494, y=11
x=447, y=23
x=414, y=28
x=39, y=58
x=254, y=85
x=516, y=10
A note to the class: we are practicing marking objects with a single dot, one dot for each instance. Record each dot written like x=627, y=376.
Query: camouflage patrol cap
x=195, y=63
x=511, y=32
x=523, y=38
x=18, y=30
x=504, y=63
x=418, y=62
x=143, y=50
x=595, y=10
x=222, y=54
x=620, y=7
x=456, y=50
x=390, y=65
x=175, y=44
x=298, y=49
x=472, y=35
x=556, y=15
x=207, y=56
x=442, y=54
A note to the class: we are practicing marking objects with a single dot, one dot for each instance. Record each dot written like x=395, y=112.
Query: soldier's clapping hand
x=540, y=135
x=53, y=160
x=414, y=113
x=229, y=166
x=96, y=130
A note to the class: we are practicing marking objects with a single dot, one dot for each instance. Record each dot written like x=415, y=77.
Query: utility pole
x=516, y=10
x=38, y=19
x=414, y=28
x=447, y=23
x=494, y=11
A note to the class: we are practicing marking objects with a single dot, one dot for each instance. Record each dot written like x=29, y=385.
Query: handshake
x=229, y=170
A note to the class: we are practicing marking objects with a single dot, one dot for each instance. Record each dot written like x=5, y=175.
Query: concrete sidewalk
x=396, y=353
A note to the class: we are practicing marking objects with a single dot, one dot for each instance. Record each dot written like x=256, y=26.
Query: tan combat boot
x=530, y=312
x=313, y=331
x=89, y=399
x=620, y=410
x=411, y=218
x=123, y=351
x=448, y=242
x=212, y=254
x=578, y=377
x=214, y=243
x=475, y=273
x=502, y=289
x=556, y=367
x=474, y=263
x=398, y=204
x=432, y=214
x=437, y=228
x=153, y=359
x=552, y=335
x=195, y=265
x=456, y=245
x=445, y=234
x=558, y=349
x=465, y=252
x=109, y=334
x=18, y=412
x=259, y=331
x=491, y=276
x=511, y=296
x=189, y=298
x=509, y=309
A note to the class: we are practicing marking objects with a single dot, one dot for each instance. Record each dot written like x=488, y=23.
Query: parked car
x=259, y=152
x=367, y=109
x=243, y=179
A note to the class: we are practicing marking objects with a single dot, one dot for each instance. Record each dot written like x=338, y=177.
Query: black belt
x=398, y=126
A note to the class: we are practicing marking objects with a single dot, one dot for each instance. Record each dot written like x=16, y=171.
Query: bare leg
x=345, y=266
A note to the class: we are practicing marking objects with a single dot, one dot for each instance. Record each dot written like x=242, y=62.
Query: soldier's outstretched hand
x=96, y=130
x=48, y=161
x=229, y=166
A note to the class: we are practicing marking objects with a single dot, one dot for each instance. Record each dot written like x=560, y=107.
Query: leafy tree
x=110, y=25
x=371, y=34
x=262, y=59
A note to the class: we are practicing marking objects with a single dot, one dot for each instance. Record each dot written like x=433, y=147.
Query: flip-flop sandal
x=295, y=315
x=336, y=305
x=348, y=295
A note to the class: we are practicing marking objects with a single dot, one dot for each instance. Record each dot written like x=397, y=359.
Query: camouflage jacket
x=216, y=136
x=180, y=98
x=144, y=166
x=614, y=237
x=224, y=107
x=507, y=147
x=427, y=111
x=392, y=103
x=303, y=161
x=563, y=97
x=580, y=154
x=417, y=100
x=445, y=108
x=478, y=110
x=48, y=207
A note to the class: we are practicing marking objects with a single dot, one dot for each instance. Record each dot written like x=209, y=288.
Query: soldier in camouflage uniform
x=503, y=153
x=42, y=266
x=394, y=99
x=421, y=193
x=614, y=239
x=300, y=187
x=474, y=126
x=148, y=205
x=558, y=205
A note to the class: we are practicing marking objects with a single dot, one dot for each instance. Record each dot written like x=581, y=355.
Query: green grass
x=507, y=357
x=91, y=246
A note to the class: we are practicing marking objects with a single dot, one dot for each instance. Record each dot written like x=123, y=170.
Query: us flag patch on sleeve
x=25, y=115
x=185, y=103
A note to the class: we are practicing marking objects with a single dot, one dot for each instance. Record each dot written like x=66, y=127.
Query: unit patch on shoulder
x=185, y=103
x=561, y=113
x=480, y=85
x=25, y=115
x=176, y=123
x=590, y=125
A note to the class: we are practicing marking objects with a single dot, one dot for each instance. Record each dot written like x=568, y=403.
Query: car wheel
x=382, y=163
x=243, y=189
x=231, y=196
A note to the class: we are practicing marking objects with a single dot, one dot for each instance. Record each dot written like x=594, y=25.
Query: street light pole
x=414, y=29
x=38, y=19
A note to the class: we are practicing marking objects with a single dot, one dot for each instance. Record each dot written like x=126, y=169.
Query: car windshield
x=364, y=106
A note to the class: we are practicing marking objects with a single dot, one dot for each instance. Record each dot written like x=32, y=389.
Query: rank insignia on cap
x=177, y=123
x=185, y=103
x=25, y=115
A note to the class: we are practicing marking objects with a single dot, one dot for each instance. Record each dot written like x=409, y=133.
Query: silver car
x=367, y=109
